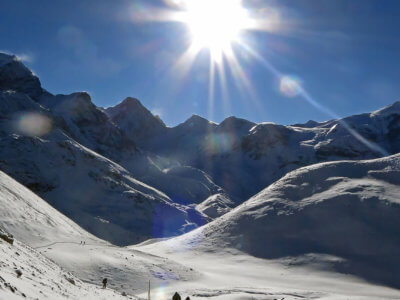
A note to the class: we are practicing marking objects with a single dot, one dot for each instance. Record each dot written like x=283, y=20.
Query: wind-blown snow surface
x=347, y=211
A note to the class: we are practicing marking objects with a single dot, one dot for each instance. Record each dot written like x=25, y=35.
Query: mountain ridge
x=197, y=170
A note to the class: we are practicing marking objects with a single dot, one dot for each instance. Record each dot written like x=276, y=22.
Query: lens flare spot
x=33, y=124
x=219, y=143
x=159, y=293
x=290, y=86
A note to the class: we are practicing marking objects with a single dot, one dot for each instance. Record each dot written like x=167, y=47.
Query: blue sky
x=346, y=54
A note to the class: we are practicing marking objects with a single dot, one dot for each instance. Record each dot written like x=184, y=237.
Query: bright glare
x=215, y=24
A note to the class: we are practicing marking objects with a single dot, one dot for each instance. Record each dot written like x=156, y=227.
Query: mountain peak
x=390, y=109
x=7, y=58
x=14, y=75
x=308, y=124
x=128, y=105
x=130, y=101
x=135, y=119
x=196, y=120
x=233, y=122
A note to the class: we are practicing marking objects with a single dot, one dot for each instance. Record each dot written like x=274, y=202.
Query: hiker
x=187, y=298
x=104, y=283
x=176, y=296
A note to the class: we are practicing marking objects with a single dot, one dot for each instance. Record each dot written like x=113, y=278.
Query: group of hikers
x=82, y=243
x=176, y=296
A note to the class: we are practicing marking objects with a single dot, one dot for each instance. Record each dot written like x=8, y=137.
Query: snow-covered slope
x=26, y=274
x=216, y=205
x=95, y=192
x=129, y=269
x=31, y=219
x=347, y=209
x=35, y=223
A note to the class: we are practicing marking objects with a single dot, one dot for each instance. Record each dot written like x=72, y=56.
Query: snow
x=309, y=231
x=92, y=154
x=33, y=220
x=200, y=264
x=87, y=167
x=137, y=121
x=215, y=205
x=348, y=210
x=42, y=279
x=263, y=153
x=88, y=186
x=238, y=276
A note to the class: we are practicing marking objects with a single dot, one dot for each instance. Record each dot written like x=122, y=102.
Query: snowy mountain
x=125, y=176
x=52, y=145
x=314, y=230
x=263, y=153
x=15, y=76
x=348, y=210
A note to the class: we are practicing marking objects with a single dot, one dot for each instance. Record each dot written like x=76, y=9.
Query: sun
x=215, y=24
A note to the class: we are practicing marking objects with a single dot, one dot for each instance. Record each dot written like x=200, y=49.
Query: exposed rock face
x=5, y=236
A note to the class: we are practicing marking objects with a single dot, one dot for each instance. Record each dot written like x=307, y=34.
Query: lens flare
x=218, y=143
x=290, y=86
x=33, y=124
